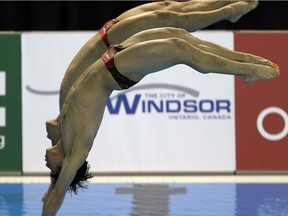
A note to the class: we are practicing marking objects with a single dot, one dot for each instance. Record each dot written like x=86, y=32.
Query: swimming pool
x=141, y=199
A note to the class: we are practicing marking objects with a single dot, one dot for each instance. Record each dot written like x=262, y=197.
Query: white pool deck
x=160, y=179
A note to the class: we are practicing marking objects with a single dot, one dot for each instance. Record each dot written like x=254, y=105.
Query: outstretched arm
x=55, y=195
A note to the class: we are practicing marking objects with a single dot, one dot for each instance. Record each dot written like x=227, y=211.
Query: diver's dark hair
x=80, y=180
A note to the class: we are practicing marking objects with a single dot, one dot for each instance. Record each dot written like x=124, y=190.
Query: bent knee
x=179, y=48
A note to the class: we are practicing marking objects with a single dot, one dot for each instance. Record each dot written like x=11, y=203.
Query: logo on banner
x=261, y=117
x=2, y=109
x=2, y=93
x=2, y=142
x=177, y=102
x=2, y=83
x=264, y=133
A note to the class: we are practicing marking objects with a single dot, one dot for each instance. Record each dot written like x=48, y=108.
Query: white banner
x=176, y=120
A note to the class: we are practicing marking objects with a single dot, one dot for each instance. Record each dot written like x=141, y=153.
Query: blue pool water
x=207, y=199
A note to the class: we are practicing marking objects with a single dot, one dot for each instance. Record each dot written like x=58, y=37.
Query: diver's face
x=54, y=159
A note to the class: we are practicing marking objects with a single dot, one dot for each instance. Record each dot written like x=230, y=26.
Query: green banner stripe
x=11, y=133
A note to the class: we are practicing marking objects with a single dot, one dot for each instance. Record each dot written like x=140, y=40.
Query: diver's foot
x=262, y=72
x=240, y=8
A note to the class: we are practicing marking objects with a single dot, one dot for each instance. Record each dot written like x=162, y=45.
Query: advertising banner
x=261, y=107
x=176, y=120
x=10, y=104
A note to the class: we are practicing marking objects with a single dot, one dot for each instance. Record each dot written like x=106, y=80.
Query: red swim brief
x=108, y=59
x=103, y=31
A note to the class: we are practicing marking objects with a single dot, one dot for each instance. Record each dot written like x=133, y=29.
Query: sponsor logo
x=2, y=117
x=2, y=109
x=260, y=126
x=175, y=102
x=41, y=92
x=2, y=83
x=2, y=142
